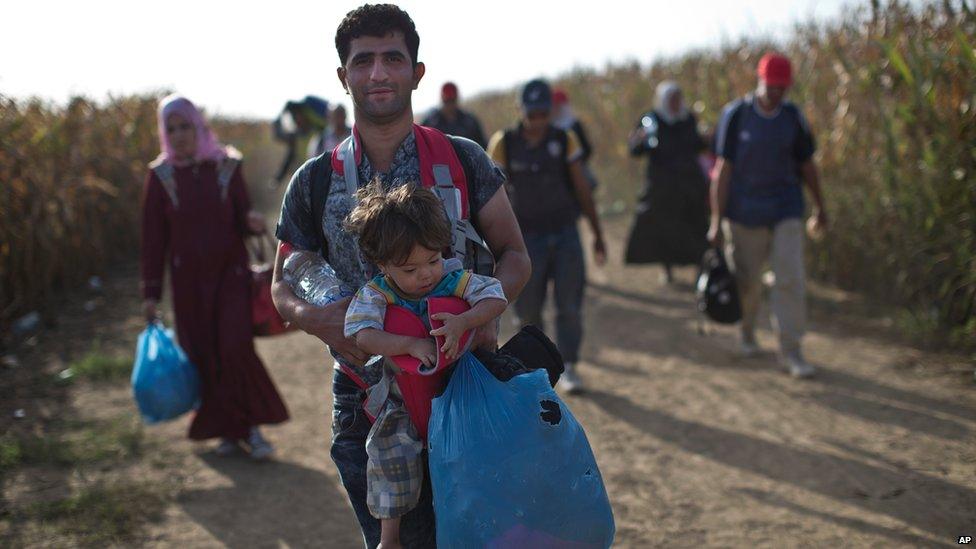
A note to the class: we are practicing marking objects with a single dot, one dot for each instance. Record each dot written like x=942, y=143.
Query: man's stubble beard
x=385, y=116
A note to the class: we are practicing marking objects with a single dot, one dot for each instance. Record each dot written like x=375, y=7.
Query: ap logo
x=965, y=540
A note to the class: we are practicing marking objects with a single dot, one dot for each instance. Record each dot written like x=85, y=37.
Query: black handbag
x=717, y=293
x=530, y=349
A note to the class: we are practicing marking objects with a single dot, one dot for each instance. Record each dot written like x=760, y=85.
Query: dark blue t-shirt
x=766, y=152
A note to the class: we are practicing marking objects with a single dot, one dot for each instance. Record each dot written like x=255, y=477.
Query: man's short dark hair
x=377, y=20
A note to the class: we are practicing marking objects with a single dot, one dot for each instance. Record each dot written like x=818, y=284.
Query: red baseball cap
x=449, y=91
x=775, y=70
x=559, y=97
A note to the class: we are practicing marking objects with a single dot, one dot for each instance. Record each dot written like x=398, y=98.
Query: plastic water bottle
x=650, y=128
x=312, y=279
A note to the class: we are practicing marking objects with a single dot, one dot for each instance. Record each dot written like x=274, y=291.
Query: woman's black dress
x=671, y=218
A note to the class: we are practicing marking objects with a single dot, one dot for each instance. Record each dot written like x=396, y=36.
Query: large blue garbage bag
x=511, y=467
x=164, y=383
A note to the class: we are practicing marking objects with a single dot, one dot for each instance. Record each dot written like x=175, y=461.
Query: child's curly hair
x=389, y=223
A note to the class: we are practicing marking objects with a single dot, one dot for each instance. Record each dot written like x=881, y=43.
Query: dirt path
x=695, y=447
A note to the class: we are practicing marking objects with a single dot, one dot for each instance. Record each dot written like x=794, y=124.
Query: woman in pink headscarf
x=196, y=212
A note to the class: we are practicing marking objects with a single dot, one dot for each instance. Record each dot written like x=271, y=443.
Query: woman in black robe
x=671, y=217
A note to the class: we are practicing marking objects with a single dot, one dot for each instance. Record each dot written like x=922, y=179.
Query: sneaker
x=748, y=348
x=799, y=368
x=569, y=382
x=227, y=447
x=261, y=449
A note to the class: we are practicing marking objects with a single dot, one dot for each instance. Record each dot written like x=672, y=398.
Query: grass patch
x=10, y=452
x=97, y=515
x=928, y=332
x=78, y=444
x=119, y=439
x=98, y=366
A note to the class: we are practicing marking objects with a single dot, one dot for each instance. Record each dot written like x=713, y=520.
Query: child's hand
x=425, y=351
x=452, y=330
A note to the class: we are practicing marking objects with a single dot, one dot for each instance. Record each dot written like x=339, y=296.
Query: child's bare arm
x=483, y=312
x=454, y=326
x=378, y=342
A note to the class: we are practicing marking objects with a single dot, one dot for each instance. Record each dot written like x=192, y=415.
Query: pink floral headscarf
x=208, y=148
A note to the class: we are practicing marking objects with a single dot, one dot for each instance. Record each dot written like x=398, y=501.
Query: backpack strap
x=443, y=169
x=468, y=170
x=563, y=137
x=732, y=129
x=226, y=170
x=584, y=141
x=448, y=178
x=321, y=180
x=164, y=171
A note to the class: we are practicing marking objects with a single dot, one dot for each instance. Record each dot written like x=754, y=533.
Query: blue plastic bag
x=164, y=383
x=511, y=467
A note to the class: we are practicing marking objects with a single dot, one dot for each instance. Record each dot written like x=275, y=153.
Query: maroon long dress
x=203, y=240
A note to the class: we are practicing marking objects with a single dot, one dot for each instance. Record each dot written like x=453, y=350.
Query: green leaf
x=968, y=51
x=899, y=62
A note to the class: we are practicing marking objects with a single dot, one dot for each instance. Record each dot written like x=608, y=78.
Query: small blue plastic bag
x=511, y=467
x=164, y=383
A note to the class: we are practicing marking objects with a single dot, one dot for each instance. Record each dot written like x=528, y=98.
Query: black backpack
x=717, y=293
x=561, y=136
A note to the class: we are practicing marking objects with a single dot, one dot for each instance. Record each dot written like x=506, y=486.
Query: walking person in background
x=196, y=212
x=338, y=128
x=765, y=151
x=450, y=119
x=565, y=119
x=548, y=189
x=298, y=120
x=671, y=217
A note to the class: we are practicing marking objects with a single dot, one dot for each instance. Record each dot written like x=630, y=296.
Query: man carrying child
x=377, y=46
x=404, y=232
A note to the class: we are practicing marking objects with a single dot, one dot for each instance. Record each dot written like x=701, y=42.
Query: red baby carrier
x=418, y=385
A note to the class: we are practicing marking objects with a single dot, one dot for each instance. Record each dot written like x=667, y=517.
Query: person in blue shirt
x=765, y=157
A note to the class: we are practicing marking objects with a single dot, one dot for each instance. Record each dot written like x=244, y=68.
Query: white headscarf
x=664, y=92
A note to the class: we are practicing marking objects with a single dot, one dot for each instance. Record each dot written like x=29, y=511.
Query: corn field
x=890, y=91
x=71, y=182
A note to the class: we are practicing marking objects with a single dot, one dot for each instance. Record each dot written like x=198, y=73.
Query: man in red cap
x=765, y=152
x=450, y=119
